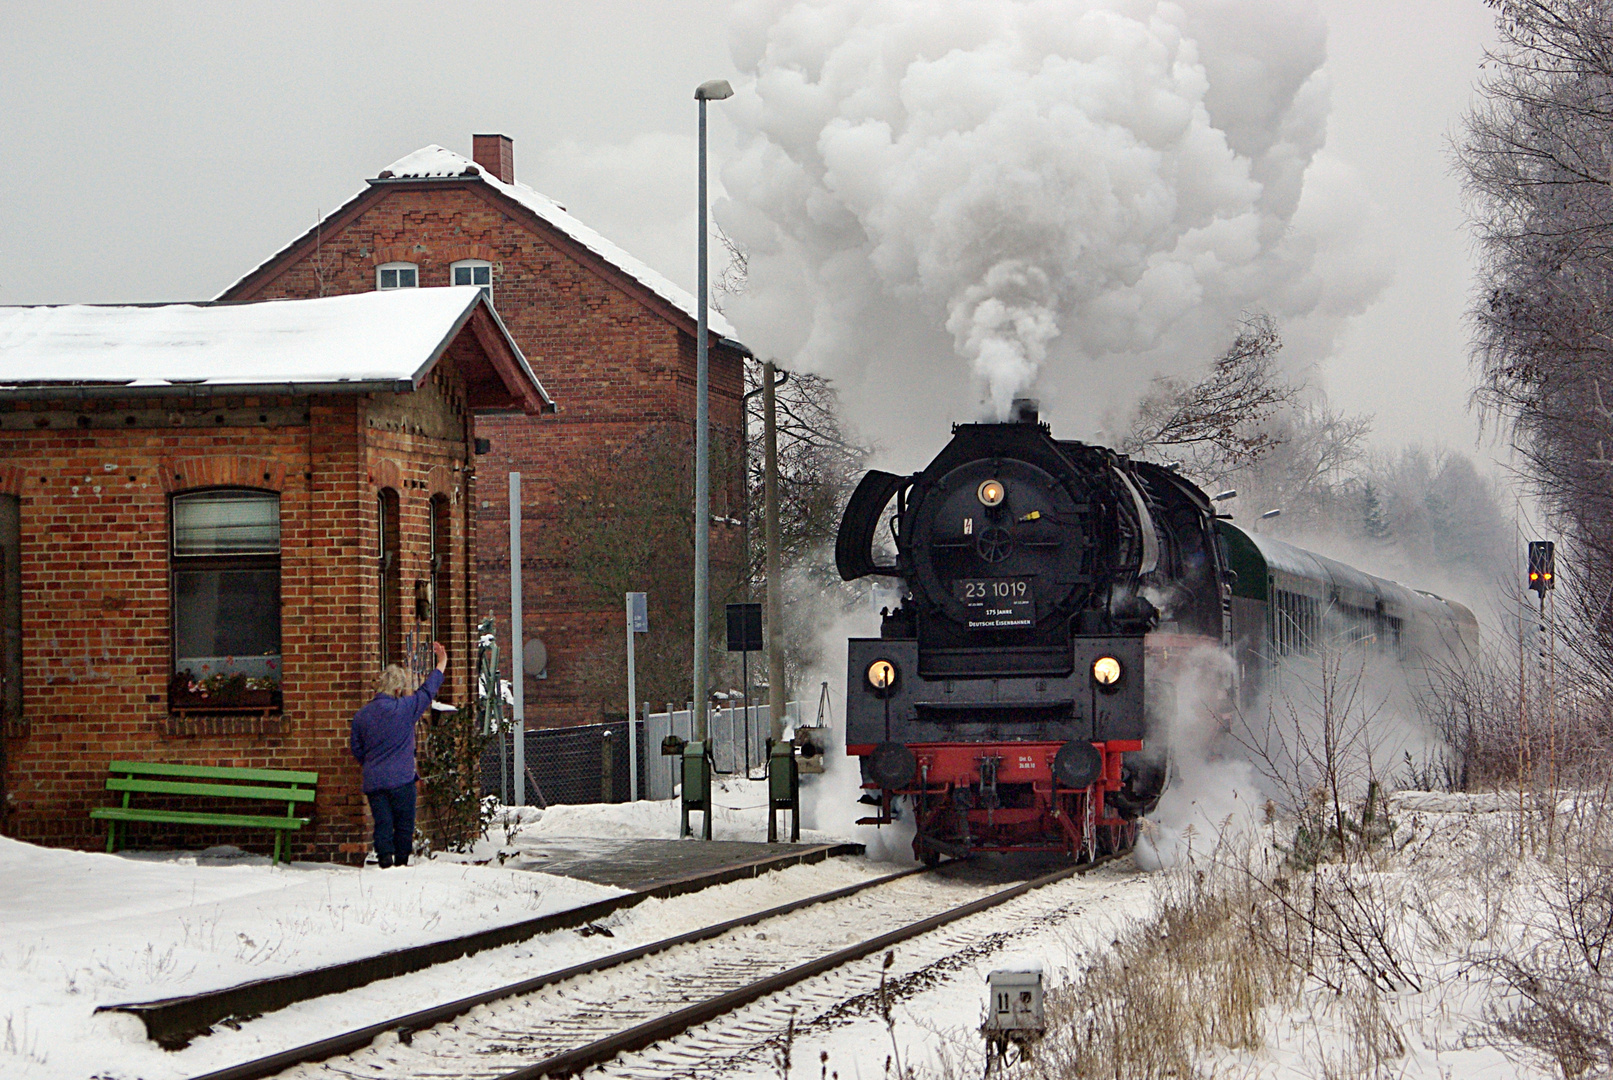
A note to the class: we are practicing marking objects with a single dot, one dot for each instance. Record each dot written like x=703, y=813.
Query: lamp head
x=713, y=90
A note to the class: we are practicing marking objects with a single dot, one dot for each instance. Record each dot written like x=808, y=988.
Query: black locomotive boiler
x=1050, y=593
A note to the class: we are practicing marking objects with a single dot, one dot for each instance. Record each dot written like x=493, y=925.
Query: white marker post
x=638, y=622
x=517, y=646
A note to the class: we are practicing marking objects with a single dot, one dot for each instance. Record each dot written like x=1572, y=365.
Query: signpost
x=517, y=652
x=745, y=637
x=1543, y=581
x=638, y=622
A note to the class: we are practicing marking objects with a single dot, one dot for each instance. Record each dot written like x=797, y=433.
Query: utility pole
x=775, y=587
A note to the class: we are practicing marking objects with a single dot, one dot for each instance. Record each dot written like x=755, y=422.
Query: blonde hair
x=394, y=680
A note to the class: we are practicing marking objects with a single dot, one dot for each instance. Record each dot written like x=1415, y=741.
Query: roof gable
x=434, y=162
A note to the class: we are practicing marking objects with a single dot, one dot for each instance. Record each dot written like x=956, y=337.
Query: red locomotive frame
x=1078, y=817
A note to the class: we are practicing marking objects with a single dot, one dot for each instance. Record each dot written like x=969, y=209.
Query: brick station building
x=217, y=521
x=611, y=338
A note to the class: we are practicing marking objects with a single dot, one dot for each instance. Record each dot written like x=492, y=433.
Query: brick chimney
x=495, y=154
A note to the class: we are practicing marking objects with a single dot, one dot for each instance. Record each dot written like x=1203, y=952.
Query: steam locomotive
x=1053, y=595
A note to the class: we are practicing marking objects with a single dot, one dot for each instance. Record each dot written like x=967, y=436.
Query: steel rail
x=573, y=1062
x=173, y=1022
x=406, y=1026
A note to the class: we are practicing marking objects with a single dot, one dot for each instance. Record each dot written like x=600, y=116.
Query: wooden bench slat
x=184, y=817
x=213, y=772
x=220, y=791
x=271, y=785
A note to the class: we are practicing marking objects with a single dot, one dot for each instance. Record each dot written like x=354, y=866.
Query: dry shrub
x=1191, y=980
x=1561, y=978
x=1231, y=938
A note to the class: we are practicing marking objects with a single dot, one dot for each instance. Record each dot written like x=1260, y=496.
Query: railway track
x=673, y=1007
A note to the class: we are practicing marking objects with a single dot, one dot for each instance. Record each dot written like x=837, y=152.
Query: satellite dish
x=535, y=659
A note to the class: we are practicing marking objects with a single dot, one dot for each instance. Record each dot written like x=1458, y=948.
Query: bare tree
x=734, y=277
x=819, y=462
x=1218, y=423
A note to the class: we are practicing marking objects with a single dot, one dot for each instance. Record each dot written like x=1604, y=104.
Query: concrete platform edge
x=174, y=1022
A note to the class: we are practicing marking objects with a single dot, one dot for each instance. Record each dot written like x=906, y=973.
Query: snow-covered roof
x=384, y=340
x=437, y=163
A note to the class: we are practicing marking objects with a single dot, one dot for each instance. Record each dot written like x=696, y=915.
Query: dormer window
x=474, y=272
x=397, y=275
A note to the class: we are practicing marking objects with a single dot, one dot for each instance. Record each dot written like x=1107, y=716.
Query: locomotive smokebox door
x=1015, y=1011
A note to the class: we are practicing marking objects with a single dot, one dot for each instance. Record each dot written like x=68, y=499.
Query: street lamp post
x=714, y=90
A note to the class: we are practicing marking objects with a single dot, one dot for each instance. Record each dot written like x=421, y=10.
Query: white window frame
x=379, y=270
x=453, y=269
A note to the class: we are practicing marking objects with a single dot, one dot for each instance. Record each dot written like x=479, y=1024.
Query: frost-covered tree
x=1537, y=161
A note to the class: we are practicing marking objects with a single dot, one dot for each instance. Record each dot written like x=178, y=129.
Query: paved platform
x=666, y=867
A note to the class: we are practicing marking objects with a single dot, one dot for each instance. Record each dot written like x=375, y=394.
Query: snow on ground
x=1455, y=892
x=81, y=929
x=741, y=815
x=936, y=1031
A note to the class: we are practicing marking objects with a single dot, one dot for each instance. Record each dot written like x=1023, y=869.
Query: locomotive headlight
x=990, y=493
x=1106, y=671
x=882, y=676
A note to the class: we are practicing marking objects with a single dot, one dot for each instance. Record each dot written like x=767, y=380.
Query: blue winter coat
x=383, y=735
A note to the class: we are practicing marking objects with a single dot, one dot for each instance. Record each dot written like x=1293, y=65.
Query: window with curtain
x=224, y=564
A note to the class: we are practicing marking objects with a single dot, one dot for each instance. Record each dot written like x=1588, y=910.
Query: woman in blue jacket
x=383, y=743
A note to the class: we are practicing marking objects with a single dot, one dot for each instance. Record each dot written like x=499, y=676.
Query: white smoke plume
x=1213, y=793
x=1343, y=717
x=947, y=203
x=829, y=802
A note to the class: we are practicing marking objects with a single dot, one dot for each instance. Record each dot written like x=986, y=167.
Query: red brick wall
x=94, y=484
x=607, y=351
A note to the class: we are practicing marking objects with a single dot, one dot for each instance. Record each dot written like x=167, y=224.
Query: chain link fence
x=594, y=763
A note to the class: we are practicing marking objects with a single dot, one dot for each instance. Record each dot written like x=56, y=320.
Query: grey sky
x=158, y=151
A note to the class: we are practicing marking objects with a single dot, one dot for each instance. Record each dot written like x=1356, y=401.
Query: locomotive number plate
x=997, y=602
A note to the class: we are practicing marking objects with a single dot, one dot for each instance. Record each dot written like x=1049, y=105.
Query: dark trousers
x=393, y=810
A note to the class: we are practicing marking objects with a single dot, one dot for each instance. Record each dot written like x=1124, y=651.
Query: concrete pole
x=775, y=587
x=517, y=649
x=702, y=466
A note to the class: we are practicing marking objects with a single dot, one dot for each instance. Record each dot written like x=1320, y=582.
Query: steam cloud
x=1068, y=196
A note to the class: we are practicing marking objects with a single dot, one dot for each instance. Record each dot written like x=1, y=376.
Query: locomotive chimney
x=1024, y=410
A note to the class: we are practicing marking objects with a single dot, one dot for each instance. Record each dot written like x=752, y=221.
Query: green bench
x=277, y=785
